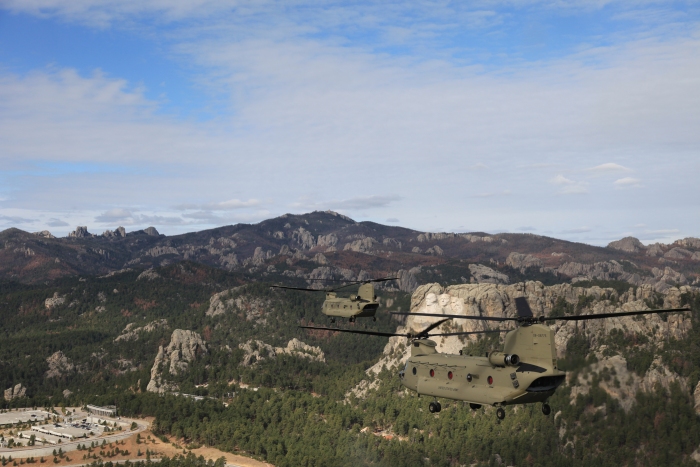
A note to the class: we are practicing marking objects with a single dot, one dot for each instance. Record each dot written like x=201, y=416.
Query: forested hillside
x=303, y=411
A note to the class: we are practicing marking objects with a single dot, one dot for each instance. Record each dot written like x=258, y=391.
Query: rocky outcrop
x=148, y=275
x=53, y=302
x=15, y=392
x=407, y=279
x=485, y=275
x=174, y=359
x=257, y=351
x=362, y=245
x=327, y=240
x=678, y=253
x=689, y=242
x=80, y=232
x=59, y=365
x=253, y=308
x=44, y=234
x=131, y=333
x=162, y=250
x=522, y=262
x=304, y=238
x=696, y=396
x=152, y=232
x=119, y=232
x=627, y=244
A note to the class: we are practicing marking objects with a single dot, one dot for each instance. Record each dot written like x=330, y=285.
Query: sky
x=572, y=119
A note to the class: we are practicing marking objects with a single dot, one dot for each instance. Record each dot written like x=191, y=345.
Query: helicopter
x=524, y=372
x=362, y=305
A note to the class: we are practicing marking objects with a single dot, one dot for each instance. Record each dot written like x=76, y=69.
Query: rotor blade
x=433, y=326
x=297, y=288
x=467, y=333
x=615, y=315
x=482, y=318
x=383, y=279
x=357, y=331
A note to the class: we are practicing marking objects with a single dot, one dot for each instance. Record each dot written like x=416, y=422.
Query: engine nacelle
x=502, y=359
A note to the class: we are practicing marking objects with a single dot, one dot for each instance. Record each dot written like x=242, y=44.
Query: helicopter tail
x=366, y=292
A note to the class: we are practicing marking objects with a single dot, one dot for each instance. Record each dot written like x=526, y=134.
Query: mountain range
x=326, y=245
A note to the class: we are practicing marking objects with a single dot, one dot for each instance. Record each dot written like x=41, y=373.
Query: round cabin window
x=432, y=373
x=490, y=380
x=469, y=377
x=449, y=375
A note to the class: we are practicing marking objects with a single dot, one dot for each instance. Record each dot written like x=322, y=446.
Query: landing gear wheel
x=434, y=407
x=546, y=409
x=500, y=413
x=332, y=320
x=352, y=319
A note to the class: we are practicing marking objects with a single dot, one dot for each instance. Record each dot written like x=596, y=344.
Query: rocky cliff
x=651, y=332
x=183, y=349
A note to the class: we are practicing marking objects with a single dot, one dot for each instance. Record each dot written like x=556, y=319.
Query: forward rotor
x=525, y=316
x=351, y=283
x=424, y=334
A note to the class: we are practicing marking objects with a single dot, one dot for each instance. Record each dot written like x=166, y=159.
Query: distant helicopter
x=524, y=372
x=362, y=305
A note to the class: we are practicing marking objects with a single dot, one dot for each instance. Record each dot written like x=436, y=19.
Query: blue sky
x=571, y=119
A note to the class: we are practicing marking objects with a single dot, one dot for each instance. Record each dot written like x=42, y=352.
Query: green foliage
x=561, y=308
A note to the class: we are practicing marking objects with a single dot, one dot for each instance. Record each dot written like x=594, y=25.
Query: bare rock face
x=522, y=262
x=696, y=395
x=59, y=365
x=80, y=232
x=689, y=242
x=15, y=392
x=361, y=245
x=44, y=234
x=162, y=250
x=407, y=279
x=183, y=349
x=655, y=250
x=320, y=258
x=131, y=333
x=678, y=253
x=56, y=300
x=257, y=351
x=304, y=238
x=148, y=274
x=152, y=231
x=485, y=275
x=628, y=244
x=327, y=240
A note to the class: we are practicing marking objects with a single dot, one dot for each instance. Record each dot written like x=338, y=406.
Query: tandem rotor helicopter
x=362, y=305
x=524, y=372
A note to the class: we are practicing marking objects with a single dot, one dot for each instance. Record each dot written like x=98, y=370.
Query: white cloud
x=609, y=167
x=568, y=186
x=15, y=220
x=627, y=182
x=222, y=206
x=53, y=222
x=392, y=220
x=350, y=204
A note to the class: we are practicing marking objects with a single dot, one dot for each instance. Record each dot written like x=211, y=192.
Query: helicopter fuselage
x=362, y=305
x=525, y=372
